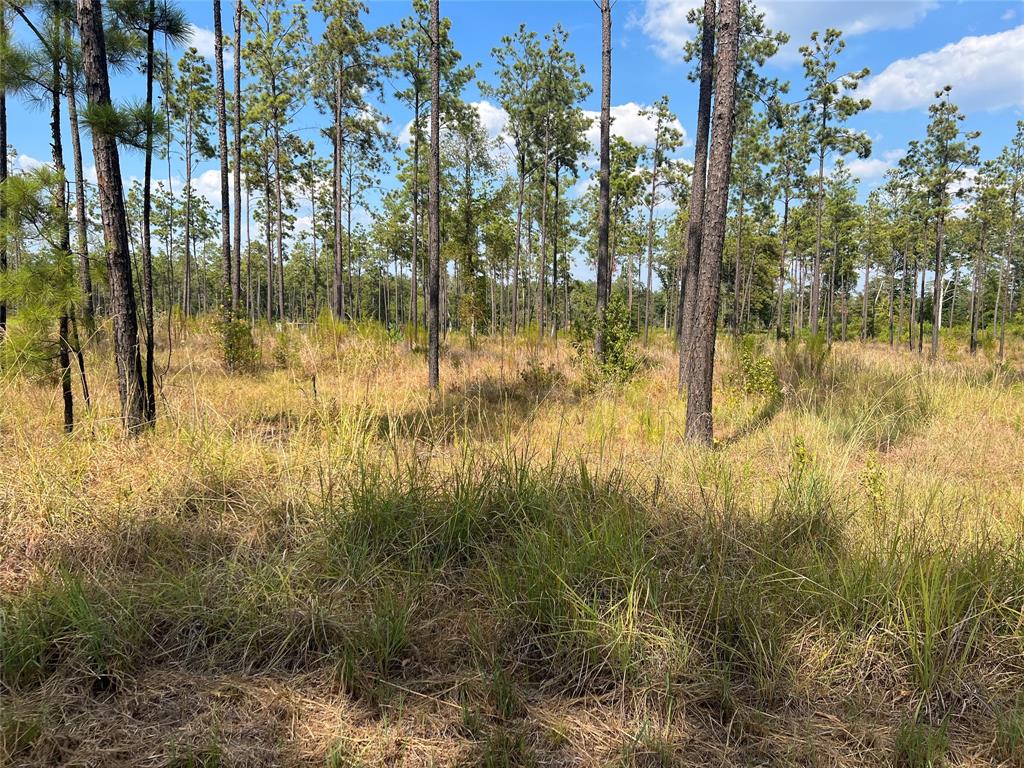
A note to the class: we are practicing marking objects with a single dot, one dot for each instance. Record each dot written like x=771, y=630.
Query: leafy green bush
x=618, y=362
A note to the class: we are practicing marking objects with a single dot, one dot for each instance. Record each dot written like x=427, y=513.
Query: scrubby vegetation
x=317, y=564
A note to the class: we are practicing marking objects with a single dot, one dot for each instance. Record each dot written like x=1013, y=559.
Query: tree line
x=472, y=233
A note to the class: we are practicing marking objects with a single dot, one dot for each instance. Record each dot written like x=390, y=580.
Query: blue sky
x=912, y=47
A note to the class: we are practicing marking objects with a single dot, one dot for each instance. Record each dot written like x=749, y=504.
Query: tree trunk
x=279, y=216
x=413, y=277
x=780, y=306
x=650, y=242
x=976, y=293
x=147, y=244
x=339, y=286
x=819, y=206
x=222, y=147
x=186, y=276
x=604, y=187
x=236, y=247
x=695, y=225
x=115, y=229
x=699, y=426
x=81, y=224
x=937, y=283
x=60, y=205
x=864, y=303
x=434, y=202
x=3, y=178
x=519, y=244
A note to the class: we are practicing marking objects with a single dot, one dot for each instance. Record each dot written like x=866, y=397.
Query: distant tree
x=277, y=54
x=667, y=139
x=1011, y=159
x=517, y=60
x=191, y=100
x=828, y=106
x=790, y=155
x=941, y=161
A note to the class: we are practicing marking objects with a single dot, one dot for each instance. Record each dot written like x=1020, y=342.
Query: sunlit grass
x=531, y=569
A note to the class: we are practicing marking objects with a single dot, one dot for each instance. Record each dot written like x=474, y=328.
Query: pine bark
x=81, y=224
x=236, y=248
x=695, y=225
x=222, y=151
x=115, y=229
x=147, y=245
x=434, y=202
x=699, y=425
x=604, y=268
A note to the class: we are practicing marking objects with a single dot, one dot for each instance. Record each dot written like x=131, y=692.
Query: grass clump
x=919, y=745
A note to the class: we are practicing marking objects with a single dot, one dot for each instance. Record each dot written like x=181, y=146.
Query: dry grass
x=318, y=565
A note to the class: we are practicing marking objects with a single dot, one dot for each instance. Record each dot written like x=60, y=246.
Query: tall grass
x=535, y=595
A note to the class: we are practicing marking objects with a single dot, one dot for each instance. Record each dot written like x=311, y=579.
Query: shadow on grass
x=487, y=407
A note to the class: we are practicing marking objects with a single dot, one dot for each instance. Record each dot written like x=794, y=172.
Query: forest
x=363, y=403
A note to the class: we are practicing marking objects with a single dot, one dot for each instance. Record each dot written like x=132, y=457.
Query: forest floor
x=317, y=565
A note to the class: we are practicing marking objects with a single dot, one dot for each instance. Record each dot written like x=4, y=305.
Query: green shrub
x=241, y=354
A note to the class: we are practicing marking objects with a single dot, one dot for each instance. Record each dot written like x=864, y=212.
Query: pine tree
x=699, y=425
x=827, y=107
x=941, y=161
x=604, y=270
x=115, y=230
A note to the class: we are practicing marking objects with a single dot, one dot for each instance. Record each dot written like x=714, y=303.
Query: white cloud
x=664, y=21
x=26, y=163
x=1010, y=13
x=984, y=70
x=204, y=41
x=492, y=117
x=874, y=168
x=628, y=123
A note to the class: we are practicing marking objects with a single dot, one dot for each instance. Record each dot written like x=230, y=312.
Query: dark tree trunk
x=414, y=267
x=519, y=244
x=3, y=178
x=604, y=267
x=695, y=225
x=222, y=151
x=339, y=285
x=115, y=229
x=236, y=249
x=699, y=426
x=816, y=269
x=60, y=205
x=780, y=308
x=937, y=283
x=147, y=245
x=434, y=202
x=976, y=293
